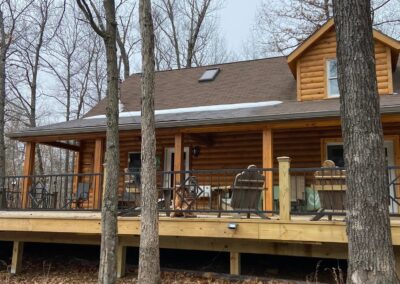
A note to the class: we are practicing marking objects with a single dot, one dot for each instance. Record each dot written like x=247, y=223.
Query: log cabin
x=279, y=114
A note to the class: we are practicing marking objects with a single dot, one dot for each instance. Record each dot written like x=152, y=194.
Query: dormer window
x=332, y=82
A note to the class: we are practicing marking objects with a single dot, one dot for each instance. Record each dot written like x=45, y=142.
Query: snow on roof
x=197, y=109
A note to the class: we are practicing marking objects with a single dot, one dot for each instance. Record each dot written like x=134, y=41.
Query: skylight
x=209, y=75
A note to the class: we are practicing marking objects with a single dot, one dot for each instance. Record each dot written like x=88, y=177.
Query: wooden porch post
x=98, y=169
x=29, y=167
x=179, y=157
x=268, y=162
x=16, y=261
x=77, y=169
x=284, y=188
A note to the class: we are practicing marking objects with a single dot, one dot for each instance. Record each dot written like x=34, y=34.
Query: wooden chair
x=79, y=197
x=246, y=191
x=130, y=197
x=330, y=182
x=40, y=197
x=186, y=195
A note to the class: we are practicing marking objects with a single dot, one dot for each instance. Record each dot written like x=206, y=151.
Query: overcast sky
x=236, y=20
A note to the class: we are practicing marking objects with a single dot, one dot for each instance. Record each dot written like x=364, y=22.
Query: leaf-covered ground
x=50, y=263
x=48, y=273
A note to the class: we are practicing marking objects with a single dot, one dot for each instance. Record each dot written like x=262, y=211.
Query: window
x=332, y=84
x=134, y=162
x=334, y=152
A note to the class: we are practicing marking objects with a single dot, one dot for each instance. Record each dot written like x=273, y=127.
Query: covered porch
x=197, y=168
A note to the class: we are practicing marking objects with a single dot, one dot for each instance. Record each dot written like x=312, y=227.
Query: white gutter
x=197, y=109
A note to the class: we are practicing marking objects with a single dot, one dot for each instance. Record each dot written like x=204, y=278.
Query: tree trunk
x=109, y=234
x=149, y=258
x=371, y=257
x=3, y=203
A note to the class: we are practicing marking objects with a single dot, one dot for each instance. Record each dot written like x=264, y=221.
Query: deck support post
x=235, y=263
x=284, y=188
x=29, y=167
x=121, y=261
x=16, y=262
x=268, y=162
x=98, y=169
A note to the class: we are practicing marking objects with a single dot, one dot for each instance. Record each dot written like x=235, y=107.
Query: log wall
x=239, y=150
x=311, y=68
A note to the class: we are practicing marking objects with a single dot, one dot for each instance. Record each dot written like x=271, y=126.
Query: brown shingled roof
x=238, y=82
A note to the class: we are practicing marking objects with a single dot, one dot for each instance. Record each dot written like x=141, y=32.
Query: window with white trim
x=332, y=82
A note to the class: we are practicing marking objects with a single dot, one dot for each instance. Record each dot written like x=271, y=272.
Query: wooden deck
x=297, y=237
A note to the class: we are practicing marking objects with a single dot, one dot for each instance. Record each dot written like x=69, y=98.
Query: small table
x=220, y=191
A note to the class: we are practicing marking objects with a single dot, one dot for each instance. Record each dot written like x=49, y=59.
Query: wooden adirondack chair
x=246, y=191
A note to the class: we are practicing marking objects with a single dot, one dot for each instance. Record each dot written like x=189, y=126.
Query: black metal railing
x=322, y=191
x=51, y=192
x=200, y=192
x=316, y=192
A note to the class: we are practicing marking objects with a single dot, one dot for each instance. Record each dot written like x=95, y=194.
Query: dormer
x=313, y=64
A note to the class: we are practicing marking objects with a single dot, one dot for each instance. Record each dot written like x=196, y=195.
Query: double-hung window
x=332, y=82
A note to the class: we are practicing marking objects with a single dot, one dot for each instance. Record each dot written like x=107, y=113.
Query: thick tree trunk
x=3, y=203
x=149, y=259
x=109, y=234
x=371, y=257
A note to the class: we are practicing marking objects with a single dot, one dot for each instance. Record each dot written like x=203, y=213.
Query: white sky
x=236, y=20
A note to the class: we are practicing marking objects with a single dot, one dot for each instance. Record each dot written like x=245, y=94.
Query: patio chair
x=246, y=191
x=40, y=197
x=330, y=183
x=186, y=195
x=80, y=196
x=130, y=197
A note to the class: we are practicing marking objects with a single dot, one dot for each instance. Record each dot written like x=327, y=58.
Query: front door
x=169, y=163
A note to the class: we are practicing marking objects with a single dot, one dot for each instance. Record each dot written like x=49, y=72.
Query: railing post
x=284, y=188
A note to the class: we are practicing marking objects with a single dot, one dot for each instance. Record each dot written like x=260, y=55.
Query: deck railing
x=317, y=192
x=199, y=192
x=50, y=192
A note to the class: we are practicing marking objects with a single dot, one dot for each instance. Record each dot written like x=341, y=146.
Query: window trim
x=395, y=139
x=328, y=78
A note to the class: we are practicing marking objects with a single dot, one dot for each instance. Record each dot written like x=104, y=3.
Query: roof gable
x=293, y=57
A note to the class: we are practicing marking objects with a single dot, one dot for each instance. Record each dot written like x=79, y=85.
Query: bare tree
x=371, y=257
x=109, y=236
x=149, y=255
x=282, y=25
x=183, y=30
x=126, y=36
x=9, y=15
x=41, y=25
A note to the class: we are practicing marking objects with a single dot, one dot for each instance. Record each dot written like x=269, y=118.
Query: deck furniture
x=79, y=197
x=298, y=192
x=330, y=183
x=246, y=191
x=130, y=197
x=186, y=195
x=40, y=197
